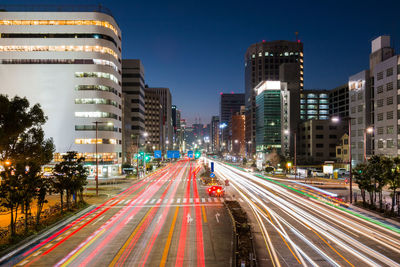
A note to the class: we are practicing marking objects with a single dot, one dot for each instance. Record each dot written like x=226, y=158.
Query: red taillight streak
x=133, y=188
x=199, y=227
x=182, y=237
x=130, y=247
x=117, y=230
x=158, y=229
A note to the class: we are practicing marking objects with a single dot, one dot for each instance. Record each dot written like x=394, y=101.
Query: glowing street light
x=368, y=130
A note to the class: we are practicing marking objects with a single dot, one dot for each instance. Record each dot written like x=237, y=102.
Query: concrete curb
x=29, y=241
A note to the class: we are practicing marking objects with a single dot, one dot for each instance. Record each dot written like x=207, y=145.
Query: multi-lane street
x=299, y=226
x=166, y=219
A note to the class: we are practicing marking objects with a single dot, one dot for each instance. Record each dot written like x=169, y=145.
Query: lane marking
x=204, y=214
x=169, y=239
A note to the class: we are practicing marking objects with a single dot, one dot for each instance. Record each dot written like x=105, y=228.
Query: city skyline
x=197, y=58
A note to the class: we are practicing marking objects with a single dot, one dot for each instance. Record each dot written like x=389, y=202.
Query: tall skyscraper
x=262, y=63
x=166, y=102
x=153, y=120
x=70, y=63
x=134, y=106
x=230, y=104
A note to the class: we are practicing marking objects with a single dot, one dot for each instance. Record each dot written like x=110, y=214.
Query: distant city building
x=262, y=63
x=134, y=107
x=70, y=63
x=173, y=117
x=238, y=134
x=318, y=140
x=339, y=101
x=215, y=133
x=166, y=100
x=230, y=104
x=314, y=104
x=153, y=120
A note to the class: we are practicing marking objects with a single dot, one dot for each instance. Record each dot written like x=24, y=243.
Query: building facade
x=214, y=133
x=70, y=63
x=153, y=120
x=166, y=102
x=238, y=134
x=262, y=63
x=342, y=149
x=339, y=101
x=230, y=104
x=318, y=140
x=133, y=107
x=272, y=117
x=314, y=104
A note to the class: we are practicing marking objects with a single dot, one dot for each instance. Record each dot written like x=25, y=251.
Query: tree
x=363, y=182
x=23, y=146
x=70, y=177
x=392, y=175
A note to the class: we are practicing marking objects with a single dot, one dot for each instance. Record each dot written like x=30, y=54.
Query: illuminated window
x=323, y=95
x=96, y=88
x=286, y=54
x=97, y=101
x=95, y=114
x=266, y=54
x=97, y=75
x=86, y=141
x=253, y=56
x=259, y=54
x=60, y=22
x=301, y=54
x=58, y=48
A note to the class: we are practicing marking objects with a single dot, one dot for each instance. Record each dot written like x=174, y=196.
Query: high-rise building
x=214, y=133
x=262, y=63
x=153, y=120
x=166, y=102
x=230, y=104
x=385, y=85
x=272, y=117
x=173, y=117
x=238, y=134
x=70, y=63
x=134, y=107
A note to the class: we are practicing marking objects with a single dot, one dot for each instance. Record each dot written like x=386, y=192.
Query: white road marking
x=147, y=200
x=99, y=219
x=184, y=200
x=191, y=200
x=152, y=201
x=159, y=201
x=203, y=200
x=178, y=200
x=165, y=201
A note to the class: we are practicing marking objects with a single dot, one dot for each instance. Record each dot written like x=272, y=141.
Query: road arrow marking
x=159, y=218
x=130, y=218
x=217, y=217
x=189, y=219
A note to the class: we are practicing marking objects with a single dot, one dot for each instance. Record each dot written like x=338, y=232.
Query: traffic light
x=197, y=154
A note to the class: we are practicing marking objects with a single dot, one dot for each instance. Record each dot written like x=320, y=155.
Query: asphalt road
x=166, y=219
x=297, y=225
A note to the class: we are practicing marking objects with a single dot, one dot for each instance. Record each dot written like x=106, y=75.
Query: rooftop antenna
x=297, y=36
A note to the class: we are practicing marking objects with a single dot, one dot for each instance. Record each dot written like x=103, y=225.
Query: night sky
x=196, y=48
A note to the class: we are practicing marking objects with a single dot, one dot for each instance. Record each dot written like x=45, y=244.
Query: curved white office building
x=70, y=63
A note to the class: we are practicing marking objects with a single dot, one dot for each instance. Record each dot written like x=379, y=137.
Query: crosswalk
x=144, y=201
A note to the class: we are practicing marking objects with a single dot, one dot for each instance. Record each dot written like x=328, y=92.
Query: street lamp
x=97, y=158
x=336, y=120
x=368, y=130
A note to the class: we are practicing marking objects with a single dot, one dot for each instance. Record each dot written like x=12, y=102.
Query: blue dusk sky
x=196, y=48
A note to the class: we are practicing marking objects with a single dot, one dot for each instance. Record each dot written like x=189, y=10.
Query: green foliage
x=70, y=176
x=22, y=143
